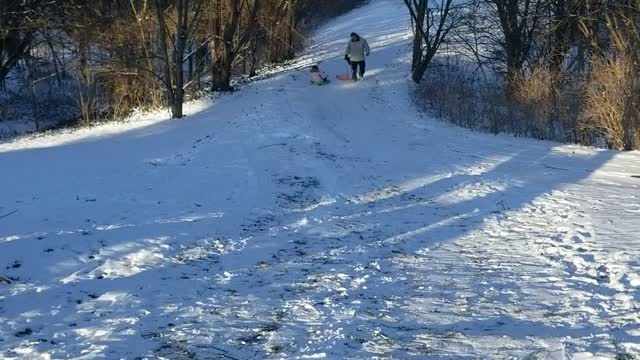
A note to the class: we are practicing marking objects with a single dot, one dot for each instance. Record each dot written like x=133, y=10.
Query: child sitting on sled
x=317, y=77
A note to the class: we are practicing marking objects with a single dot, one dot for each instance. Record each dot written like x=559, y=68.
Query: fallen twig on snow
x=8, y=214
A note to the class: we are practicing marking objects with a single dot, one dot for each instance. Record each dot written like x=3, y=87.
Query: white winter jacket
x=356, y=50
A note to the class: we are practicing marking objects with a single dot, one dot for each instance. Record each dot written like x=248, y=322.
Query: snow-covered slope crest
x=288, y=221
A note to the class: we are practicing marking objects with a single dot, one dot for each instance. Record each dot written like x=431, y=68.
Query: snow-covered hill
x=291, y=221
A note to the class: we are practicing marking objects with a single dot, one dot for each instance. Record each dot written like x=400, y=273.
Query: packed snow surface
x=301, y=222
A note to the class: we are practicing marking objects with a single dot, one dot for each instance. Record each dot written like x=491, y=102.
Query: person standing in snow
x=357, y=50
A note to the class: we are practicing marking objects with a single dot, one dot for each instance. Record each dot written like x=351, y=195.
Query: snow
x=298, y=222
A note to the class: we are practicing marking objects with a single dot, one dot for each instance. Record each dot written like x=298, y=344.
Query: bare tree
x=624, y=30
x=186, y=14
x=19, y=22
x=432, y=22
x=229, y=35
x=519, y=19
x=280, y=21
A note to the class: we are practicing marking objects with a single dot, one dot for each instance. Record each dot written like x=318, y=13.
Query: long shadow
x=540, y=174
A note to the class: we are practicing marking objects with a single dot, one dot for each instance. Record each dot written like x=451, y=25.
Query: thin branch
x=8, y=214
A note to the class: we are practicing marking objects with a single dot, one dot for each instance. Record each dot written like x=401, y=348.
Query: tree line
x=567, y=69
x=119, y=55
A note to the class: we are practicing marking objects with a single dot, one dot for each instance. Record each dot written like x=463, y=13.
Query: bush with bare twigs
x=604, y=104
x=543, y=96
x=542, y=104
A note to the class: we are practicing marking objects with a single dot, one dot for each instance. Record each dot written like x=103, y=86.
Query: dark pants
x=354, y=67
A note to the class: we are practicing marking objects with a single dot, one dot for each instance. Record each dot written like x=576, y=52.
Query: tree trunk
x=182, y=7
x=417, y=38
x=222, y=71
x=560, y=35
x=517, y=25
x=291, y=30
x=631, y=116
x=190, y=67
x=166, y=65
x=419, y=71
x=13, y=56
x=232, y=40
x=254, y=55
x=430, y=32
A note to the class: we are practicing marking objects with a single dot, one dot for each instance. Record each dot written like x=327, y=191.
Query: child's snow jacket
x=317, y=77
